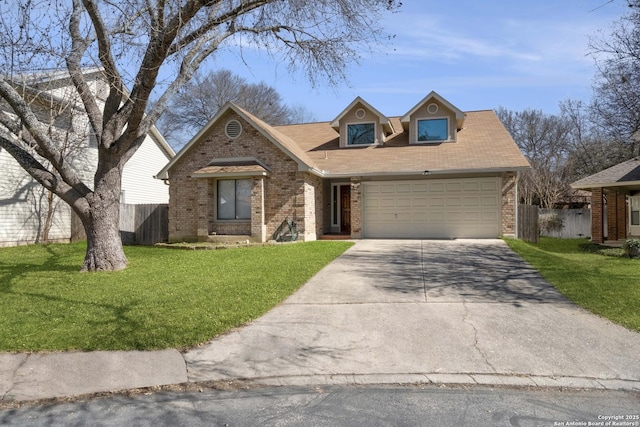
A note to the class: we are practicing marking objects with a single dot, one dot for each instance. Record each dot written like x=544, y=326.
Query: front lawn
x=164, y=299
x=608, y=286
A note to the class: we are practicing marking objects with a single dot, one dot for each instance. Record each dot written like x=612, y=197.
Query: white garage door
x=437, y=208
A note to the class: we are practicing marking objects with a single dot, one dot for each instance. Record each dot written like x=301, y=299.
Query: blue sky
x=477, y=54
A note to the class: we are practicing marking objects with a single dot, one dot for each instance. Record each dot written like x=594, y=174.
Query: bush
x=631, y=247
x=595, y=248
x=550, y=223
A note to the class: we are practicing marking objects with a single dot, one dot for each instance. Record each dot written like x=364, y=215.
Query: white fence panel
x=575, y=223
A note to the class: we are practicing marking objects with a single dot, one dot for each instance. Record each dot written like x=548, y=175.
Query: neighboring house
x=28, y=212
x=615, y=201
x=435, y=172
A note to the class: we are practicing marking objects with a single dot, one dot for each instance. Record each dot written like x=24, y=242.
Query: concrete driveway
x=464, y=311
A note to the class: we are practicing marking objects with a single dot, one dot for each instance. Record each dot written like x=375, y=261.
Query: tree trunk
x=102, y=224
x=104, y=246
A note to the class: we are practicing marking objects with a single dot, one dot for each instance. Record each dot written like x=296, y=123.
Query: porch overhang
x=628, y=187
x=232, y=169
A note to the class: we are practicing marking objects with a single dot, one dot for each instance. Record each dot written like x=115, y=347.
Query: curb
x=447, y=379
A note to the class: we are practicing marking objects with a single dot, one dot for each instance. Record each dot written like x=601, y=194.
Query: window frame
x=235, y=199
x=432, y=119
x=348, y=144
x=634, y=202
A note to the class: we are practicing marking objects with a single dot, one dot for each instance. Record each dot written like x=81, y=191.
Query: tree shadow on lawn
x=12, y=272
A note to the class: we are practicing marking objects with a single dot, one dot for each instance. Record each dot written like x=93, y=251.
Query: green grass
x=164, y=299
x=606, y=285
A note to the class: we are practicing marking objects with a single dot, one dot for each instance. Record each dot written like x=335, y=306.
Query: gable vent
x=233, y=129
x=360, y=113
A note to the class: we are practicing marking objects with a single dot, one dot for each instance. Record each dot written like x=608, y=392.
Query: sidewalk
x=385, y=312
x=44, y=376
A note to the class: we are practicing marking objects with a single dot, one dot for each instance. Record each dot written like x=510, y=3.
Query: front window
x=433, y=130
x=234, y=199
x=361, y=134
x=635, y=210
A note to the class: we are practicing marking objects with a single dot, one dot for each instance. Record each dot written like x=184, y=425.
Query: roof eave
x=578, y=186
x=428, y=172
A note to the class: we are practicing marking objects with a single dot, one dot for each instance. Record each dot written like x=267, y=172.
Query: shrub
x=550, y=223
x=631, y=247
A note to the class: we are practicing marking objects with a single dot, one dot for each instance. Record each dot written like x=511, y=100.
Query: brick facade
x=285, y=193
x=356, y=208
x=509, y=205
x=616, y=214
x=597, y=212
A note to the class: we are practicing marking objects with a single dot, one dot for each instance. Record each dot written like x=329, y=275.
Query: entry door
x=634, y=215
x=345, y=208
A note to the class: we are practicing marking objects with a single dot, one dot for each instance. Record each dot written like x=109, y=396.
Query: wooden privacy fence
x=528, y=228
x=146, y=224
x=573, y=223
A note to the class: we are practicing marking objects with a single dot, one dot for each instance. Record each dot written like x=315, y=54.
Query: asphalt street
x=343, y=406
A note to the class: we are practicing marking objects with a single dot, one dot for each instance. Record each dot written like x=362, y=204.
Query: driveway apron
x=422, y=307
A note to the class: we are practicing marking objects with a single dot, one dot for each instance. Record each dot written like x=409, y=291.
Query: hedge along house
x=435, y=172
x=615, y=201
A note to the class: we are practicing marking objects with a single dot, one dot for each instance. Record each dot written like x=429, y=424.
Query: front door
x=345, y=209
x=634, y=215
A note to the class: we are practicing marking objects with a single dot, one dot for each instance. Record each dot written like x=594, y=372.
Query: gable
x=482, y=146
x=221, y=128
x=433, y=120
x=360, y=124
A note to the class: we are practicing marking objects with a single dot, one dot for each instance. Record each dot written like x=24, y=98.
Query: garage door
x=439, y=208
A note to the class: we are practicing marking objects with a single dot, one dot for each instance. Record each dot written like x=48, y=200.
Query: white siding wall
x=138, y=183
x=23, y=201
x=23, y=207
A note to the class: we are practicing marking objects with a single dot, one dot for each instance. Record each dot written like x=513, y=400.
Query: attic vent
x=233, y=129
x=432, y=108
x=360, y=113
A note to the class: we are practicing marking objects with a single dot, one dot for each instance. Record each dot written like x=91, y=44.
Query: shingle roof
x=624, y=173
x=483, y=144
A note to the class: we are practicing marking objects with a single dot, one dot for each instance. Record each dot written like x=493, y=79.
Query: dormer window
x=361, y=134
x=433, y=130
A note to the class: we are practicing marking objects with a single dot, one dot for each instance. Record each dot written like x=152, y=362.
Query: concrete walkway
x=386, y=311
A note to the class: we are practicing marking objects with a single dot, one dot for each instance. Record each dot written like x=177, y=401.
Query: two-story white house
x=28, y=212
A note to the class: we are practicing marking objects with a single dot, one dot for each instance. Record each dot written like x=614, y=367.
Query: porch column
x=597, y=215
x=258, y=227
x=203, y=208
x=612, y=213
x=356, y=208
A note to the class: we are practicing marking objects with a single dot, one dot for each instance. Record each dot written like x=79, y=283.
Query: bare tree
x=590, y=148
x=148, y=49
x=544, y=140
x=616, y=91
x=200, y=99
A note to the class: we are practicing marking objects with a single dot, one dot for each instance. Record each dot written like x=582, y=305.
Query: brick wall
x=597, y=211
x=356, y=208
x=616, y=214
x=285, y=189
x=622, y=215
x=509, y=204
